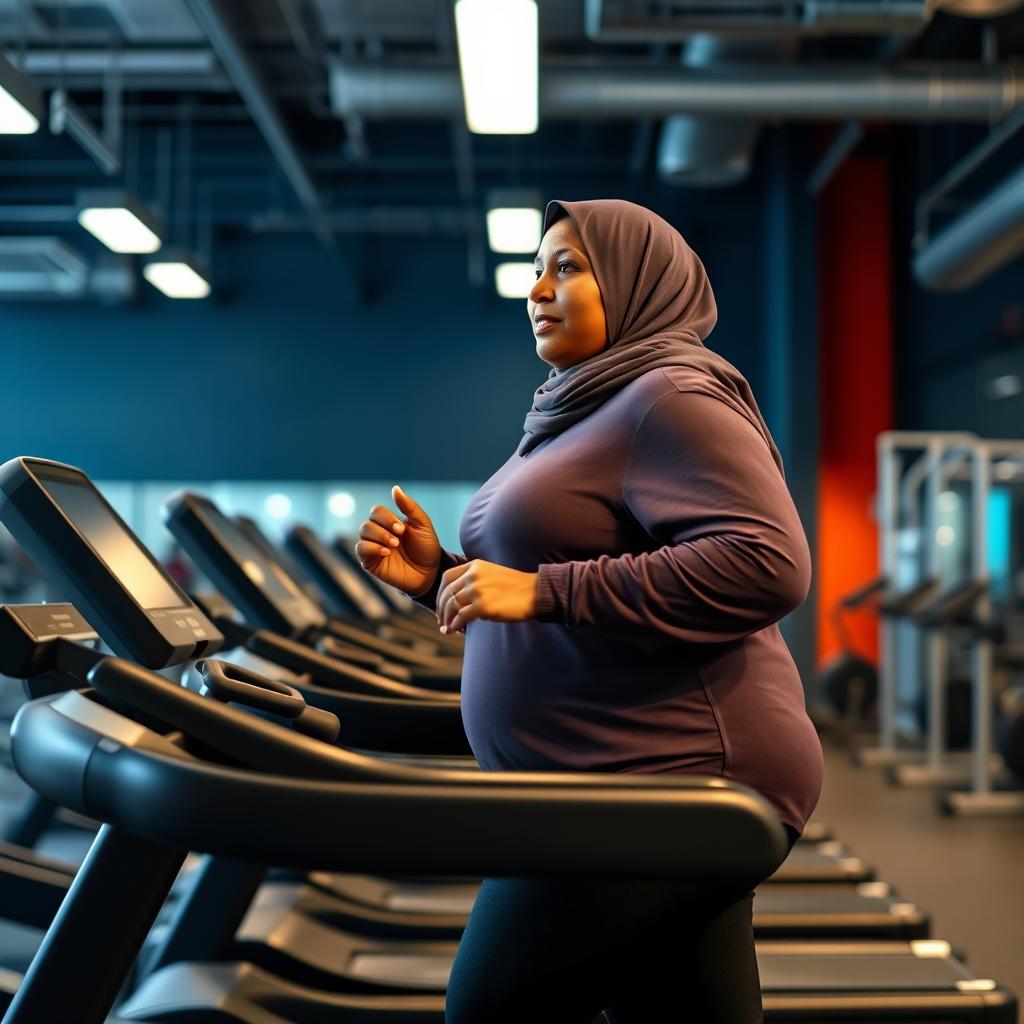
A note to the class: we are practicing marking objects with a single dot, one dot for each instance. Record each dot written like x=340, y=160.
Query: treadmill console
x=28, y=633
x=345, y=548
x=73, y=534
x=334, y=577
x=261, y=589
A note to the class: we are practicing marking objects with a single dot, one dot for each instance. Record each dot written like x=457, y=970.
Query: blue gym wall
x=953, y=346
x=950, y=346
x=284, y=375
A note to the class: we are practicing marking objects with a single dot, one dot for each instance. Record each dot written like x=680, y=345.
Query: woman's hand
x=405, y=554
x=484, y=590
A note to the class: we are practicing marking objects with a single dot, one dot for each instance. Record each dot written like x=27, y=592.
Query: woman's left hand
x=484, y=590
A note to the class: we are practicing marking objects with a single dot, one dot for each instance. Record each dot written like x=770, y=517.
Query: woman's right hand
x=404, y=553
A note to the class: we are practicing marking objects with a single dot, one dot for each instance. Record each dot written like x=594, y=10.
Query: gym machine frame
x=892, y=496
x=982, y=798
x=940, y=767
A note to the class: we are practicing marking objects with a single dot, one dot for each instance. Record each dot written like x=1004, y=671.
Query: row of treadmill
x=288, y=820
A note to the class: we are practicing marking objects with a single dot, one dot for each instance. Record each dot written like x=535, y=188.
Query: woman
x=624, y=571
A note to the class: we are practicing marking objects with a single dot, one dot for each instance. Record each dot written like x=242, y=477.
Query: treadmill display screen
x=267, y=575
x=121, y=552
x=347, y=580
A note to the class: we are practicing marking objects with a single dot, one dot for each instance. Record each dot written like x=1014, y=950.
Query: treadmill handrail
x=905, y=602
x=873, y=589
x=333, y=672
x=264, y=746
x=950, y=605
x=515, y=824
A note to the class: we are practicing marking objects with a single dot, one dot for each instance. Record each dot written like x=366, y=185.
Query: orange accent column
x=855, y=310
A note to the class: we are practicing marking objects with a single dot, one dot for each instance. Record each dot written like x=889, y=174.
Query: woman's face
x=565, y=305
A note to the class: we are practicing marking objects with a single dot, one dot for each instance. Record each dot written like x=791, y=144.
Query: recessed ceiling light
x=513, y=229
x=514, y=280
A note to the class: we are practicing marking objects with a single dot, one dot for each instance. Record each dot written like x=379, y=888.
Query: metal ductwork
x=618, y=21
x=985, y=238
x=708, y=152
x=807, y=92
x=639, y=21
x=34, y=268
x=166, y=21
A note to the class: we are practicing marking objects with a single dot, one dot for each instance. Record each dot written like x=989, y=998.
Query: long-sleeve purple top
x=667, y=547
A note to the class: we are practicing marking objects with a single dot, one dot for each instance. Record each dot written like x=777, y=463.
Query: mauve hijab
x=659, y=308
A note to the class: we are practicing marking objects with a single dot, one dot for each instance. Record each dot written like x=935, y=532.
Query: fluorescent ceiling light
x=177, y=276
x=514, y=280
x=120, y=221
x=512, y=229
x=498, y=61
x=21, y=103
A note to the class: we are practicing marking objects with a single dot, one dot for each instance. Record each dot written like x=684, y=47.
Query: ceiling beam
x=248, y=79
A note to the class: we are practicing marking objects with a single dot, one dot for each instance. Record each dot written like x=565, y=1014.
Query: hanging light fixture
x=21, y=103
x=178, y=274
x=120, y=220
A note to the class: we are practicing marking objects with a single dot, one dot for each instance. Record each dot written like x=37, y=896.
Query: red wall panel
x=856, y=385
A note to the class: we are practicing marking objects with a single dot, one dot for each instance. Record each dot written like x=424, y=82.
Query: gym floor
x=967, y=872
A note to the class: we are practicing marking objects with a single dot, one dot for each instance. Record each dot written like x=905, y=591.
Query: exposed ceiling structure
x=342, y=117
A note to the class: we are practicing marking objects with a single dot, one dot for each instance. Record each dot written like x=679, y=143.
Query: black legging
x=561, y=952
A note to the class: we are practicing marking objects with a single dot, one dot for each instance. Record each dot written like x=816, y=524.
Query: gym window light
x=178, y=275
x=21, y=103
x=497, y=42
x=514, y=280
x=341, y=504
x=120, y=221
x=278, y=506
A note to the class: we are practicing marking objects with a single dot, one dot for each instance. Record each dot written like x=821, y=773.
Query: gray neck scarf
x=659, y=308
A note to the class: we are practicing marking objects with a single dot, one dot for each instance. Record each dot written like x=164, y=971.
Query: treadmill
x=212, y=540
x=348, y=591
x=434, y=725
x=345, y=548
x=40, y=647
x=168, y=770
x=290, y=632
x=83, y=511
x=864, y=910
x=40, y=500
x=363, y=606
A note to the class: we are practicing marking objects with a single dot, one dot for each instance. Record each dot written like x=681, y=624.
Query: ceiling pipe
x=384, y=220
x=980, y=241
x=248, y=80
x=170, y=61
x=714, y=152
x=804, y=92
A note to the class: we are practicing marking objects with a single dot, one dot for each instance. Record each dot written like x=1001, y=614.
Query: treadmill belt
x=860, y=973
